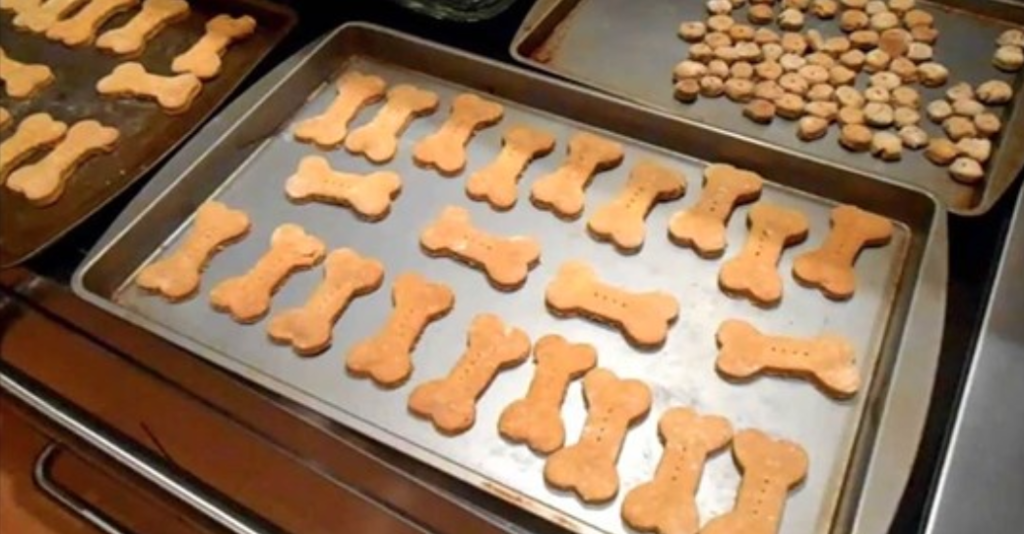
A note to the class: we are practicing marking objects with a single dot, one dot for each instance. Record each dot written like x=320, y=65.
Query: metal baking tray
x=147, y=133
x=628, y=48
x=861, y=450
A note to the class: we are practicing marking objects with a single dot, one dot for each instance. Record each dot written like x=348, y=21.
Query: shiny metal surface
x=71, y=502
x=247, y=167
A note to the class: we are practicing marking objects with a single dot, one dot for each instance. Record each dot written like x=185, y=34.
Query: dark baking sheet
x=147, y=133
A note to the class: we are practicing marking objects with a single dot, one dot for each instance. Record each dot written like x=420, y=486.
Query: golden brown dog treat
x=821, y=92
x=644, y=318
x=536, y=419
x=688, y=68
x=941, y=151
x=759, y=110
x=987, y=124
x=22, y=80
x=378, y=140
x=877, y=60
x=204, y=58
x=811, y=127
x=720, y=23
x=913, y=137
x=712, y=86
x=814, y=74
x=754, y=271
x=355, y=91
x=739, y=89
x=995, y=92
x=790, y=19
x=854, y=19
x=177, y=275
x=824, y=9
x=621, y=221
x=701, y=52
x=960, y=90
x=496, y=183
x=792, y=62
x=855, y=137
x=768, y=90
x=824, y=110
x=903, y=116
x=687, y=90
x=445, y=149
x=39, y=18
x=878, y=94
x=790, y=106
x=692, y=31
x=505, y=260
x=905, y=96
x=772, y=51
x=794, y=43
x=247, y=297
x=966, y=170
x=854, y=60
x=718, y=68
x=967, y=107
x=768, y=70
x=155, y=15
x=939, y=110
x=849, y=97
x=864, y=39
x=307, y=329
x=886, y=146
x=5, y=118
x=794, y=83
x=18, y=6
x=450, y=402
x=958, y=127
x=830, y=267
x=386, y=357
x=719, y=7
x=850, y=115
x=878, y=114
x=975, y=148
x=80, y=28
x=840, y=75
x=175, y=94
x=588, y=467
x=918, y=52
x=370, y=196
x=34, y=133
x=932, y=74
x=1011, y=37
x=905, y=69
x=1008, y=58
x=42, y=182
x=718, y=40
x=924, y=34
x=742, y=69
x=741, y=32
x=760, y=14
x=563, y=192
x=703, y=226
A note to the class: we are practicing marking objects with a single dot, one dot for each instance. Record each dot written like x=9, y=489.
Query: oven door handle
x=71, y=502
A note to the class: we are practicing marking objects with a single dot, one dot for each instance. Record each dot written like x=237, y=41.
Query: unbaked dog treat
x=307, y=329
x=667, y=504
x=22, y=80
x=378, y=140
x=155, y=15
x=563, y=191
x=644, y=318
x=175, y=94
x=505, y=260
x=33, y=133
x=177, y=275
x=703, y=226
x=830, y=267
x=39, y=18
x=621, y=220
x=450, y=402
x=328, y=129
x=386, y=357
x=770, y=469
x=204, y=58
x=496, y=183
x=445, y=149
x=42, y=182
x=370, y=196
x=754, y=272
x=247, y=297
x=536, y=419
x=588, y=467
x=80, y=29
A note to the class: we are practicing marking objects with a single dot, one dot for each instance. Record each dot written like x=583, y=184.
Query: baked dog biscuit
x=667, y=504
x=445, y=149
x=828, y=360
x=177, y=275
x=355, y=91
x=39, y=18
x=830, y=267
x=307, y=329
x=378, y=140
x=621, y=221
x=174, y=93
x=19, y=6
x=42, y=182
x=155, y=15
x=5, y=118
x=387, y=356
x=770, y=469
x=34, y=133
x=703, y=226
x=80, y=28
x=204, y=58
x=754, y=271
x=450, y=402
x=22, y=80
x=496, y=183
x=505, y=260
x=588, y=467
x=537, y=418
x=247, y=297
x=369, y=196
x=562, y=192
x=644, y=318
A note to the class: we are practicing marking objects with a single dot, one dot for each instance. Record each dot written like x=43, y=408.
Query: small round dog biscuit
x=739, y=89
x=864, y=40
x=877, y=94
x=790, y=106
x=794, y=83
x=712, y=86
x=901, y=6
x=768, y=90
x=720, y=23
x=878, y=114
x=821, y=92
x=884, y=20
x=850, y=115
x=924, y=34
x=874, y=7
x=719, y=7
x=959, y=90
x=906, y=96
x=967, y=107
x=718, y=69
x=957, y=127
x=854, y=60
x=810, y=128
x=688, y=68
x=701, y=52
x=849, y=96
x=759, y=110
x=840, y=75
x=975, y=148
x=932, y=74
x=742, y=69
x=1012, y=37
x=768, y=70
x=886, y=80
x=717, y=40
x=790, y=19
x=1008, y=58
x=742, y=32
x=905, y=69
x=687, y=90
x=794, y=43
x=913, y=137
x=824, y=9
x=763, y=36
x=772, y=51
x=939, y=110
x=692, y=31
x=854, y=19
x=814, y=74
x=855, y=137
x=966, y=170
x=941, y=151
x=792, y=62
x=988, y=124
x=876, y=60
x=760, y=14
x=995, y=92
x=886, y=146
x=902, y=116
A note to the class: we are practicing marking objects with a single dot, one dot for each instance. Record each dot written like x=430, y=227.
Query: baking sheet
x=629, y=48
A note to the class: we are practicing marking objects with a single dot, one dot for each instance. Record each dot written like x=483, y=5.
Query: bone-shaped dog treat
x=754, y=271
x=537, y=419
x=370, y=196
x=177, y=275
x=563, y=191
x=450, y=402
x=43, y=182
x=588, y=467
x=644, y=318
x=34, y=133
x=80, y=28
x=828, y=360
x=19, y=6
x=355, y=91
x=703, y=226
x=247, y=297
x=204, y=58
x=770, y=469
x=505, y=260
x=830, y=268
x=45, y=14
x=496, y=183
x=445, y=149
x=378, y=140
x=667, y=504
x=22, y=80
x=621, y=221
x=155, y=15
x=174, y=93
x=387, y=356
x=308, y=329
